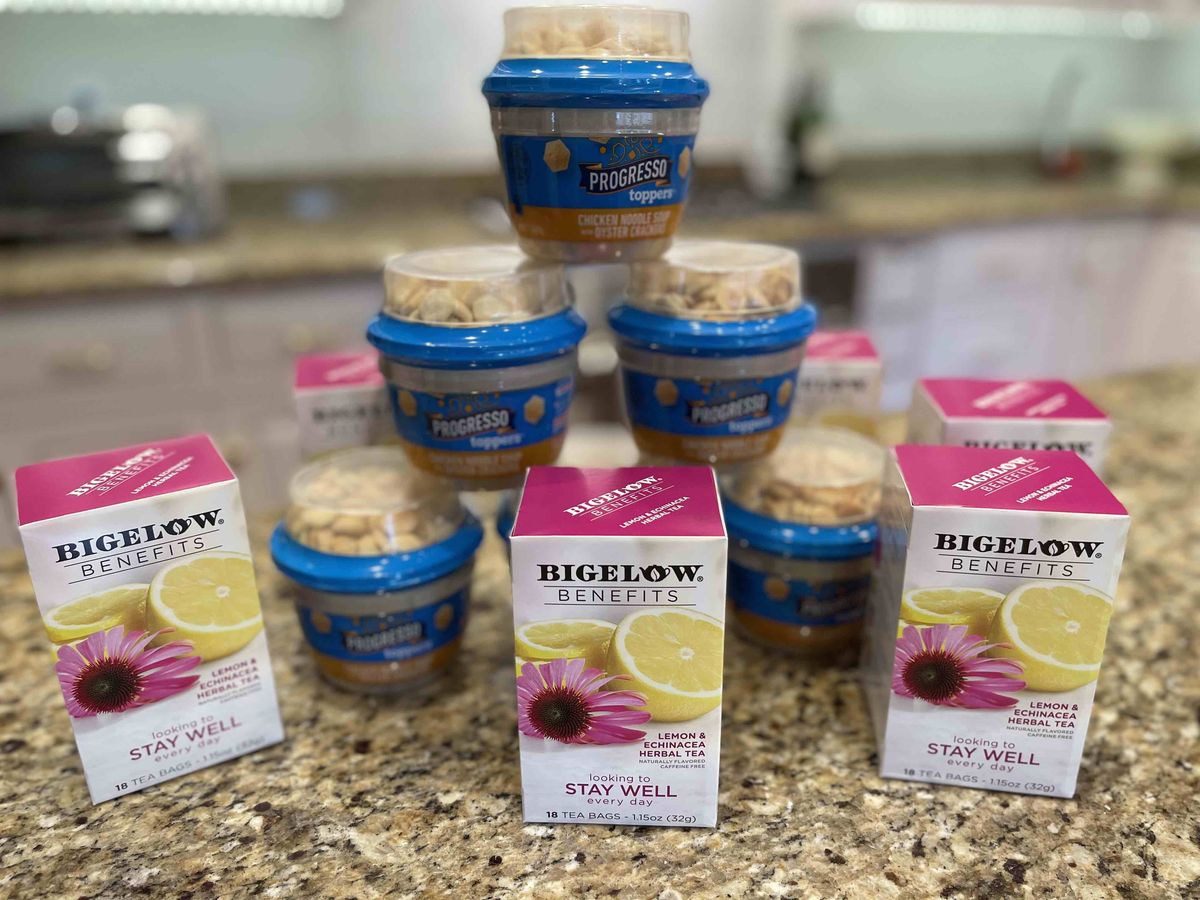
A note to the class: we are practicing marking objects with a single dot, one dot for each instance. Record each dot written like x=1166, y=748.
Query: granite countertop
x=383, y=797
x=368, y=219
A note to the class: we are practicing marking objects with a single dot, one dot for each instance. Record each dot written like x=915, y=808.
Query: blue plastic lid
x=485, y=347
x=474, y=307
x=595, y=83
x=364, y=521
x=796, y=541
x=712, y=338
x=715, y=298
x=815, y=496
x=374, y=574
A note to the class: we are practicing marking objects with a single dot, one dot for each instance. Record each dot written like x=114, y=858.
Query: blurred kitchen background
x=193, y=192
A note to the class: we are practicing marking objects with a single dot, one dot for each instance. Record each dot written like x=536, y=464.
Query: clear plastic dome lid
x=718, y=281
x=816, y=476
x=369, y=501
x=595, y=32
x=472, y=286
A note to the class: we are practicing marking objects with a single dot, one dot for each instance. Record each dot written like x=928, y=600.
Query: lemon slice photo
x=566, y=639
x=1056, y=631
x=674, y=657
x=973, y=607
x=124, y=605
x=210, y=600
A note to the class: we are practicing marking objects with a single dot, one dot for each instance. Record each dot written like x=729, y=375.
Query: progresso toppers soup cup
x=802, y=539
x=595, y=112
x=710, y=341
x=478, y=346
x=381, y=557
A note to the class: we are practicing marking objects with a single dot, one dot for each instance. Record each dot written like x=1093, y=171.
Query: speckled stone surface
x=420, y=797
x=373, y=219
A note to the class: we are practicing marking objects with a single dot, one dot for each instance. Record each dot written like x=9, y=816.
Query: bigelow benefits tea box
x=841, y=380
x=140, y=562
x=1017, y=415
x=341, y=401
x=988, y=615
x=619, y=610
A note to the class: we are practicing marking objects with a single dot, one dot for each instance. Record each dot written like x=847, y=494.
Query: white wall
x=934, y=91
x=414, y=72
x=395, y=83
x=1176, y=71
x=388, y=84
x=273, y=87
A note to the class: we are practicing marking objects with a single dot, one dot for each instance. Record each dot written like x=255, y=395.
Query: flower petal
x=616, y=700
x=94, y=648
x=626, y=717
x=602, y=733
x=159, y=655
x=166, y=687
x=70, y=661
x=972, y=697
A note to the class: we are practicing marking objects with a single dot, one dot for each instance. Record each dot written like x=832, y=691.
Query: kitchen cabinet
x=973, y=302
x=261, y=444
x=895, y=286
x=90, y=373
x=1070, y=300
x=1158, y=322
x=254, y=330
x=1106, y=267
x=8, y=525
x=996, y=293
x=86, y=347
x=978, y=266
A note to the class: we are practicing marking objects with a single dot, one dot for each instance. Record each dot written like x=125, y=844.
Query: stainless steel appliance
x=144, y=170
